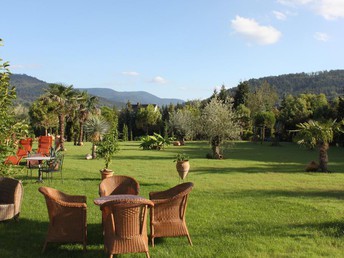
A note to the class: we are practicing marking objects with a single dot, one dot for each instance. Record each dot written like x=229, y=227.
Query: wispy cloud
x=254, y=32
x=321, y=36
x=279, y=15
x=329, y=9
x=158, y=80
x=130, y=73
x=24, y=66
x=294, y=2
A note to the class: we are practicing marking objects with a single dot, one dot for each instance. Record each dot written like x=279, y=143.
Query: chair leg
x=44, y=246
x=147, y=255
x=152, y=240
x=189, y=238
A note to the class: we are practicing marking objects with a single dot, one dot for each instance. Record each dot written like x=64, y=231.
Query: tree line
x=248, y=113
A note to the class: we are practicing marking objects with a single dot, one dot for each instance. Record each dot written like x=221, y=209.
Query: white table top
x=40, y=158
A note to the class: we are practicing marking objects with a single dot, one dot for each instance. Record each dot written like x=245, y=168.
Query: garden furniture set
x=124, y=215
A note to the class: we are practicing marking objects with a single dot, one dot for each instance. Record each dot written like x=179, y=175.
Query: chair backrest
x=45, y=139
x=177, y=191
x=126, y=220
x=26, y=144
x=118, y=184
x=53, y=198
x=11, y=192
x=171, y=203
x=57, y=163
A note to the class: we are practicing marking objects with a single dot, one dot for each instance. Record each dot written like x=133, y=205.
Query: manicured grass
x=257, y=202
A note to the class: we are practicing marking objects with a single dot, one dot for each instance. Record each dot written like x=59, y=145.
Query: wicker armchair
x=118, y=185
x=67, y=216
x=125, y=226
x=167, y=217
x=11, y=196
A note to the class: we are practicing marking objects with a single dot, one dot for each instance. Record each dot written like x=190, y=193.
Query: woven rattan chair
x=11, y=196
x=167, y=217
x=67, y=217
x=119, y=185
x=125, y=226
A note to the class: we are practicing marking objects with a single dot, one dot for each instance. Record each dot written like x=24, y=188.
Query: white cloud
x=321, y=36
x=329, y=9
x=159, y=80
x=130, y=73
x=251, y=30
x=279, y=15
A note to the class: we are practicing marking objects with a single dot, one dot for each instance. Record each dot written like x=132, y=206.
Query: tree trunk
x=323, y=157
x=262, y=134
x=94, y=154
x=81, y=134
x=61, y=131
x=215, y=145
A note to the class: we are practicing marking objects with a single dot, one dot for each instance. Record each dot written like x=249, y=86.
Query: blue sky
x=172, y=49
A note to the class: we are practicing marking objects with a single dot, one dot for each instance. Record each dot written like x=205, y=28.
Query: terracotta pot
x=183, y=168
x=106, y=173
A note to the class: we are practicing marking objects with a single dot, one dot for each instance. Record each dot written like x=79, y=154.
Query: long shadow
x=25, y=238
x=291, y=168
x=336, y=194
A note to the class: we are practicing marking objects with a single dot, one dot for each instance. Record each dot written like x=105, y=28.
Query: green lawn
x=257, y=202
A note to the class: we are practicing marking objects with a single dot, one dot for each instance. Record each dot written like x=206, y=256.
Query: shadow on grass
x=26, y=238
x=330, y=228
x=336, y=194
x=290, y=168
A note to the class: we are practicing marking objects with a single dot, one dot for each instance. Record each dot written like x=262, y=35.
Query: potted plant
x=182, y=164
x=105, y=149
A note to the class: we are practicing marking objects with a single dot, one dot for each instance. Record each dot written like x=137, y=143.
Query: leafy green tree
x=125, y=133
x=241, y=94
x=315, y=134
x=263, y=98
x=42, y=115
x=263, y=120
x=10, y=131
x=147, y=117
x=219, y=123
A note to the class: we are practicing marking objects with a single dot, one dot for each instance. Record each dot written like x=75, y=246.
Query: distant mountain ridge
x=331, y=83
x=134, y=97
x=30, y=88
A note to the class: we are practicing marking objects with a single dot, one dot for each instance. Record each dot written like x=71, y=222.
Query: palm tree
x=86, y=108
x=64, y=97
x=315, y=134
x=96, y=126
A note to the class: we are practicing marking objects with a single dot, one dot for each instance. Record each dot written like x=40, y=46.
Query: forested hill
x=331, y=83
x=30, y=88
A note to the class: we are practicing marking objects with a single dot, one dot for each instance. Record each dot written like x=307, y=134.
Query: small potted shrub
x=182, y=164
x=106, y=149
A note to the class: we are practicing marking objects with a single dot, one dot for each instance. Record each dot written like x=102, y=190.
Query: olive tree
x=219, y=123
x=185, y=122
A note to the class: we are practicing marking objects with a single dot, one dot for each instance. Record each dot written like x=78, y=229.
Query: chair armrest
x=71, y=204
